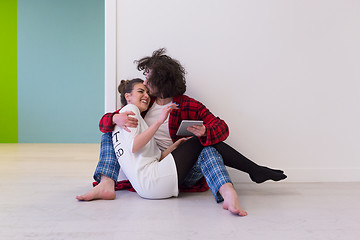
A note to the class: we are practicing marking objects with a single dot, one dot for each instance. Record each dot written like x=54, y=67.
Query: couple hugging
x=156, y=161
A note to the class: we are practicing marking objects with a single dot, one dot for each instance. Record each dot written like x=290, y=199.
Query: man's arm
x=216, y=129
x=123, y=120
x=106, y=124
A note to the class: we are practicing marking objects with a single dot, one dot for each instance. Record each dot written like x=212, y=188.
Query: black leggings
x=185, y=157
x=188, y=152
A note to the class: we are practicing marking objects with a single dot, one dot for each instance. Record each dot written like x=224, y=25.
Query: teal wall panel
x=60, y=70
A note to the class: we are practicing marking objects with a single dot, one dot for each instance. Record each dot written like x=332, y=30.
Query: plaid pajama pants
x=108, y=164
x=209, y=164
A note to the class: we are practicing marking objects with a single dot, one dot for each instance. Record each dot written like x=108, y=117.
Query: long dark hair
x=167, y=75
x=126, y=86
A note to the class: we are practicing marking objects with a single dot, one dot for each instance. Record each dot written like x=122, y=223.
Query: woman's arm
x=143, y=138
x=172, y=147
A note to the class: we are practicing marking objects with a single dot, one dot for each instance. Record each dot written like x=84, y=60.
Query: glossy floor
x=39, y=182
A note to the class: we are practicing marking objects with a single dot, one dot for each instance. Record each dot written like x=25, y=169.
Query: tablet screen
x=185, y=124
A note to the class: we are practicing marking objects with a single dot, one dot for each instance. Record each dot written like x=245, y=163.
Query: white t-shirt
x=162, y=135
x=149, y=177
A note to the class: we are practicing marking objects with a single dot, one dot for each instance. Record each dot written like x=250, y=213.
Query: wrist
x=112, y=118
x=158, y=123
x=172, y=148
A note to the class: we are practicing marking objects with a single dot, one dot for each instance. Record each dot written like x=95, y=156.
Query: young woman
x=155, y=174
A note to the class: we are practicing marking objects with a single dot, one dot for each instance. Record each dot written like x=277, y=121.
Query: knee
x=209, y=150
x=209, y=153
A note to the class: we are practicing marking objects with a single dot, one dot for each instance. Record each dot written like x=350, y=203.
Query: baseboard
x=307, y=175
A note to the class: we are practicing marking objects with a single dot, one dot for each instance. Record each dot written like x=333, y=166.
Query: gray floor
x=39, y=183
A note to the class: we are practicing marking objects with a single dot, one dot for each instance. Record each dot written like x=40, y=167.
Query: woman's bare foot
x=231, y=200
x=104, y=190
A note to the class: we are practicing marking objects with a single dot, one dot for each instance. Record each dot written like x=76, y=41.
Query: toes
x=79, y=198
x=235, y=211
x=243, y=213
x=84, y=198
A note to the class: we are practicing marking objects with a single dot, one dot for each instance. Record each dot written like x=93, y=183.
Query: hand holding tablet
x=182, y=131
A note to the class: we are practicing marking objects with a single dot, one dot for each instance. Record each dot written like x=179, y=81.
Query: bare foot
x=104, y=190
x=231, y=200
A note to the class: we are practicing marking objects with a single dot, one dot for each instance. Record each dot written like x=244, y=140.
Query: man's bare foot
x=104, y=190
x=231, y=200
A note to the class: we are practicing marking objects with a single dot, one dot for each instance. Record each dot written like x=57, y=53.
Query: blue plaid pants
x=209, y=164
x=108, y=164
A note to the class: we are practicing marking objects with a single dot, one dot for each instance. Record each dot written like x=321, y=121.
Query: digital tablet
x=185, y=124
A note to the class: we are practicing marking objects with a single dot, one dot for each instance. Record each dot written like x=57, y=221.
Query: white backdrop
x=284, y=74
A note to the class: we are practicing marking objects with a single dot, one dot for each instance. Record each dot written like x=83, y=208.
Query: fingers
x=195, y=127
x=126, y=129
x=131, y=120
x=173, y=106
x=129, y=113
x=170, y=107
x=193, y=131
x=185, y=138
x=130, y=123
x=197, y=130
x=124, y=119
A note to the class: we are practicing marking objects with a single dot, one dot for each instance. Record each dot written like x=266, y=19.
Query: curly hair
x=126, y=86
x=167, y=74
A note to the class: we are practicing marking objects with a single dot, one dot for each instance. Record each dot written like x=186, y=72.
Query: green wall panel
x=60, y=70
x=8, y=73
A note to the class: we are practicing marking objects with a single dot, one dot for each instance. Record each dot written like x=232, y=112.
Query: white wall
x=284, y=74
